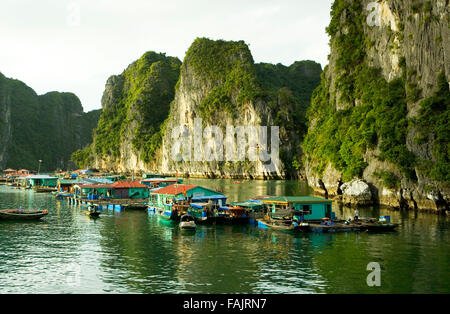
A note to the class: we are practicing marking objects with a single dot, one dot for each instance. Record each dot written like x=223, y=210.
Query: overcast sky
x=75, y=45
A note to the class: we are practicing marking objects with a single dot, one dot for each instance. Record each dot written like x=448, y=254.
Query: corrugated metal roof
x=96, y=186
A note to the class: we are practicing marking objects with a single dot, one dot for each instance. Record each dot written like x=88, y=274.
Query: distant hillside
x=46, y=127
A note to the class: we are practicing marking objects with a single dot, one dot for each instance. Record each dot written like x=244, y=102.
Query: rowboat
x=18, y=214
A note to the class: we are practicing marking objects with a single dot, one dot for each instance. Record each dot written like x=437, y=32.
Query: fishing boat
x=283, y=221
x=187, y=222
x=92, y=211
x=328, y=226
x=231, y=214
x=375, y=225
x=19, y=214
x=203, y=213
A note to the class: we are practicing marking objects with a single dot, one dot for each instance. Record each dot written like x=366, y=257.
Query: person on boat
x=20, y=208
x=356, y=215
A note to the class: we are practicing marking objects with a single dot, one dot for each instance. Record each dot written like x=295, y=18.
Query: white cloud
x=43, y=44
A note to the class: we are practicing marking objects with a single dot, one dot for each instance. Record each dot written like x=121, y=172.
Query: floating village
x=186, y=205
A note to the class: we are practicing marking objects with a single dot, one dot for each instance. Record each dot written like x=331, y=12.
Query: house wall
x=319, y=211
x=142, y=193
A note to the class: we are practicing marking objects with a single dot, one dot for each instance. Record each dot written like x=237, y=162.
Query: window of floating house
x=307, y=208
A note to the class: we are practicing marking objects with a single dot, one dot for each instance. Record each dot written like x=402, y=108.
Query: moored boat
x=93, y=211
x=285, y=225
x=187, y=222
x=19, y=214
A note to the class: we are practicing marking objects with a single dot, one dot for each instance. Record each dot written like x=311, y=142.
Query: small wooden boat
x=285, y=225
x=332, y=227
x=372, y=225
x=19, y=214
x=187, y=222
x=92, y=212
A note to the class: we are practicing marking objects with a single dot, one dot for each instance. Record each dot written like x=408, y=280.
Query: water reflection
x=134, y=252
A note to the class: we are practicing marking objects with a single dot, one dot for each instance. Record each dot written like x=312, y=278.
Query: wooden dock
x=114, y=204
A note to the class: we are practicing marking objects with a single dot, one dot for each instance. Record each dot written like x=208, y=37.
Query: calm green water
x=134, y=252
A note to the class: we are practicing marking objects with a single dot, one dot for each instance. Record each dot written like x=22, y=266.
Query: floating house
x=169, y=202
x=42, y=181
x=66, y=185
x=311, y=208
x=22, y=181
x=117, y=190
x=93, y=191
x=130, y=189
x=194, y=193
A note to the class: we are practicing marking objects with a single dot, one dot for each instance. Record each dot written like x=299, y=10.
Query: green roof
x=296, y=199
x=248, y=204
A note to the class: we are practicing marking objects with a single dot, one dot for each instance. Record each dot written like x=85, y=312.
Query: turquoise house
x=311, y=208
x=96, y=190
x=117, y=190
x=42, y=180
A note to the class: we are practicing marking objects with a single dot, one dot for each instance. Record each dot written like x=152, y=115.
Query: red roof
x=95, y=186
x=128, y=184
x=159, y=181
x=175, y=189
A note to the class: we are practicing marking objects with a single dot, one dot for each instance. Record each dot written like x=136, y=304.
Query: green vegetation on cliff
x=136, y=104
x=433, y=122
x=228, y=69
x=342, y=137
x=372, y=112
x=141, y=97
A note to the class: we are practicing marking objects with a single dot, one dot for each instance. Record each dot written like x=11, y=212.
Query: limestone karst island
x=284, y=147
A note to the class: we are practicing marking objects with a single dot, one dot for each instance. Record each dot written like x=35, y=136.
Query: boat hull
x=284, y=228
x=188, y=225
x=22, y=215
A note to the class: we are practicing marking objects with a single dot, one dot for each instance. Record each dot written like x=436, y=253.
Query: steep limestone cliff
x=135, y=105
x=221, y=85
x=46, y=127
x=381, y=112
